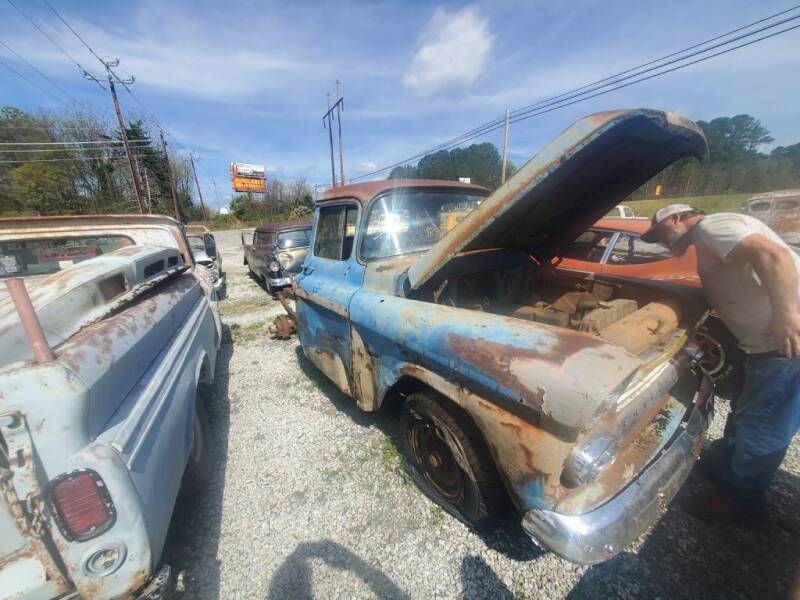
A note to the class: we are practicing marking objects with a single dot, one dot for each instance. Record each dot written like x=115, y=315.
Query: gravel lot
x=310, y=499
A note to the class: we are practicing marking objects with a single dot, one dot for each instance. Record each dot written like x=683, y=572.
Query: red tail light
x=82, y=504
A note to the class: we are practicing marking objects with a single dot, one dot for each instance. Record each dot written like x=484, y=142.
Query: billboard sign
x=249, y=184
x=247, y=170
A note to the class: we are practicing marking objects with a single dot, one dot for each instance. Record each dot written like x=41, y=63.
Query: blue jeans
x=766, y=415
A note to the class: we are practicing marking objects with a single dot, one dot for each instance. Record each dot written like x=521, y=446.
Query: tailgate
x=29, y=566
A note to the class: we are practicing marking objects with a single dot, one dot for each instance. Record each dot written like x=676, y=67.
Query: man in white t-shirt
x=751, y=278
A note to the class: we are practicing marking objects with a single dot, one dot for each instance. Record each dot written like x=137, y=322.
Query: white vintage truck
x=107, y=327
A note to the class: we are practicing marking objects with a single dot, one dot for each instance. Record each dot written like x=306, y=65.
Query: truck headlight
x=587, y=460
x=274, y=266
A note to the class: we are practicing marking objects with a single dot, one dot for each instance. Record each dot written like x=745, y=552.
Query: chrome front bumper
x=280, y=281
x=601, y=534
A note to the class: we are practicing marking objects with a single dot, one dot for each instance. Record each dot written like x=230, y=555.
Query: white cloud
x=365, y=167
x=453, y=50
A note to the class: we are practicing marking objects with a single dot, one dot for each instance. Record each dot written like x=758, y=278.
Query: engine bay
x=634, y=317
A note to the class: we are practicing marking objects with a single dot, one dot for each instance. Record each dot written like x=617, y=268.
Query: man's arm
x=775, y=268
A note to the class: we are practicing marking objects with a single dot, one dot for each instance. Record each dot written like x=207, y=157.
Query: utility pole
x=171, y=177
x=505, y=149
x=137, y=185
x=327, y=121
x=149, y=197
x=199, y=191
x=216, y=195
x=339, y=109
x=330, y=136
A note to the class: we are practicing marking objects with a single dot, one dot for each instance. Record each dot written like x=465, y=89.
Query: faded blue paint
x=401, y=332
x=525, y=376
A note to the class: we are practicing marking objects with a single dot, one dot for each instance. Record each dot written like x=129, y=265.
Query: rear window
x=294, y=239
x=759, y=206
x=41, y=257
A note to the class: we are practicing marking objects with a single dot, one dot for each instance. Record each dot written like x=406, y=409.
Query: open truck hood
x=568, y=185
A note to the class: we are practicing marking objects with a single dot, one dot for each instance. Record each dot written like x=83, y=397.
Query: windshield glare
x=43, y=256
x=408, y=220
x=196, y=244
x=294, y=239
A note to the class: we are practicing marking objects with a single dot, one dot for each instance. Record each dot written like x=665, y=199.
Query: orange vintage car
x=614, y=247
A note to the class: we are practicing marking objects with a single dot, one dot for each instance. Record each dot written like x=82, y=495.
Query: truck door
x=330, y=276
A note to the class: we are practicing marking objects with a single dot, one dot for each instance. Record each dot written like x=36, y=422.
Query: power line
x=70, y=143
x=52, y=41
x=89, y=149
x=53, y=83
x=570, y=95
x=493, y=125
x=38, y=160
x=56, y=13
x=537, y=109
x=33, y=83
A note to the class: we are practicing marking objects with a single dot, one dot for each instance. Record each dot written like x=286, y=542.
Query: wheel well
x=409, y=385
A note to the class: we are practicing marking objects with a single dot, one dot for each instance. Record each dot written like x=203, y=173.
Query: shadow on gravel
x=194, y=532
x=478, y=580
x=507, y=537
x=293, y=578
x=684, y=557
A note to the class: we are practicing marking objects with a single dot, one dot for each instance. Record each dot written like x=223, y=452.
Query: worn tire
x=466, y=482
x=728, y=378
x=198, y=469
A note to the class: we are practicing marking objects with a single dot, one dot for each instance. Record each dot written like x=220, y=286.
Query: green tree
x=732, y=139
x=43, y=187
x=480, y=162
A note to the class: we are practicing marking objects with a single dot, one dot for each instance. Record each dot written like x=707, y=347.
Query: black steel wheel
x=449, y=460
x=198, y=470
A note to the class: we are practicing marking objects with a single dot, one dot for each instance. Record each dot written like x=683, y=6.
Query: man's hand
x=785, y=328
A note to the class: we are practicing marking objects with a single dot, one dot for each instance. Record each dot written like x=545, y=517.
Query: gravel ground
x=310, y=499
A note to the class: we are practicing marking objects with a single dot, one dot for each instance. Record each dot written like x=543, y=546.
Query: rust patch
x=496, y=359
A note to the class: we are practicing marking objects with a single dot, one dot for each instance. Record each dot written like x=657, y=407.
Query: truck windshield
x=412, y=220
x=196, y=244
x=294, y=239
x=44, y=256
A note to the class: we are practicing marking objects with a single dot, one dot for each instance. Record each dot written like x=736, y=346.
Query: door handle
x=307, y=270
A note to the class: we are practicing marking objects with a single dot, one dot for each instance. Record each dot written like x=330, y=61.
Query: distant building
x=224, y=210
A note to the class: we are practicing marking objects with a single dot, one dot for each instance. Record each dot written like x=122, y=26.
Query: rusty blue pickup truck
x=107, y=329
x=577, y=397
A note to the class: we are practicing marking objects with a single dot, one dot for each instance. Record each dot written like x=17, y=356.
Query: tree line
x=52, y=171
x=48, y=172
x=735, y=164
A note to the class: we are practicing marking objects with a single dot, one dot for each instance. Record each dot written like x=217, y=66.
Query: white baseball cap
x=662, y=215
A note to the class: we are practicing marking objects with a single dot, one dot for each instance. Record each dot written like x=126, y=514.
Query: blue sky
x=246, y=81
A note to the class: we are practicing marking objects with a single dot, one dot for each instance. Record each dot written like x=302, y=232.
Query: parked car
x=277, y=252
x=204, y=250
x=614, y=247
x=575, y=395
x=101, y=356
x=621, y=211
x=780, y=210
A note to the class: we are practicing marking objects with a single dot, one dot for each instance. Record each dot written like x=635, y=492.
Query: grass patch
x=438, y=514
x=248, y=333
x=386, y=453
x=708, y=204
x=231, y=308
x=332, y=472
